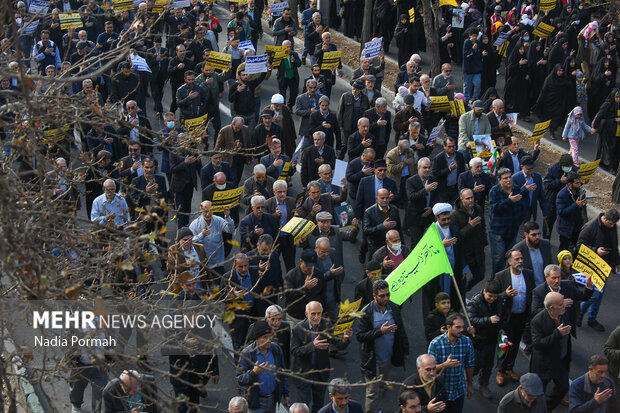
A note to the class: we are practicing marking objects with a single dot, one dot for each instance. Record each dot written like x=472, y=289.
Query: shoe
x=485, y=392
x=579, y=320
x=596, y=325
x=565, y=401
x=362, y=258
x=76, y=409
x=511, y=374
x=500, y=378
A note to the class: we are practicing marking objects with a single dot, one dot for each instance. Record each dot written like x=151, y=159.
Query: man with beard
x=447, y=166
x=474, y=122
x=305, y=105
x=259, y=183
x=185, y=167
x=406, y=116
x=554, y=181
x=536, y=251
x=256, y=224
x=208, y=230
x=428, y=385
x=422, y=193
x=477, y=180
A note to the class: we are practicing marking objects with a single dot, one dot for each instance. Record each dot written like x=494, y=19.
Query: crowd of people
x=407, y=169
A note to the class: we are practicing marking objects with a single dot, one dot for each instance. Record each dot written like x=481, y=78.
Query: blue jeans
x=500, y=243
x=468, y=80
x=593, y=304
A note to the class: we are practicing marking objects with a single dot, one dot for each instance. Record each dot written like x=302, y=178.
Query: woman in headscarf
x=574, y=131
x=488, y=97
x=565, y=261
x=585, y=37
x=610, y=46
x=551, y=103
x=406, y=39
x=489, y=64
x=570, y=71
x=607, y=123
x=538, y=68
x=602, y=81
x=558, y=53
x=516, y=90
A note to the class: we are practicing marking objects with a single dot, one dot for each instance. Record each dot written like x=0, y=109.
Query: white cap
x=441, y=208
x=277, y=98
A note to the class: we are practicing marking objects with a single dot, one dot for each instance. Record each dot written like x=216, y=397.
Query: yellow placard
x=55, y=135
x=503, y=49
x=440, y=103
x=238, y=1
x=278, y=53
x=299, y=228
x=285, y=171
x=219, y=60
x=195, y=127
x=543, y=30
x=159, y=6
x=331, y=60
x=590, y=263
x=547, y=5
x=412, y=15
x=586, y=170
x=123, y=5
x=539, y=131
x=618, y=125
x=70, y=20
x=345, y=320
x=452, y=3
x=457, y=107
x=226, y=199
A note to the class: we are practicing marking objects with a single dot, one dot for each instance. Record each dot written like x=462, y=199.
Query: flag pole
x=458, y=292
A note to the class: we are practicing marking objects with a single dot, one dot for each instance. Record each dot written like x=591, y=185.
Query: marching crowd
x=432, y=174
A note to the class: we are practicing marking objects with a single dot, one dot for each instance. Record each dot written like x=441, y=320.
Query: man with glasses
x=256, y=224
x=383, y=342
x=133, y=126
x=444, y=83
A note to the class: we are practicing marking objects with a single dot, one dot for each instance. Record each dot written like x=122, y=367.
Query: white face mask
x=396, y=246
x=220, y=187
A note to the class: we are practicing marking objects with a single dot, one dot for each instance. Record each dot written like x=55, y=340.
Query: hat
x=498, y=8
x=358, y=84
x=309, y=257
x=415, y=56
x=532, y=384
x=260, y=329
x=566, y=160
x=184, y=232
x=323, y=216
x=441, y=208
x=403, y=91
x=478, y=105
x=267, y=112
x=371, y=78
x=380, y=163
x=563, y=254
x=409, y=99
x=373, y=266
x=21, y=4
x=527, y=161
x=81, y=44
x=277, y=98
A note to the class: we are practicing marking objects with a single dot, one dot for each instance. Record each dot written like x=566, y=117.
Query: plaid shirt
x=463, y=351
x=505, y=216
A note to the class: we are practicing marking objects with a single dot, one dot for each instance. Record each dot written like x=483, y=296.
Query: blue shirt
x=246, y=284
x=463, y=351
x=406, y=168
x=102, y=207
x=516, y=164
x=537, y=265
x=378, y=185
x=385, y=343
x=214, y=242
x=282, y=208
x=266, y=379
x=519, y=301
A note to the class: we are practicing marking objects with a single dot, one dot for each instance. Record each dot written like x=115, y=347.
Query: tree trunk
x=431, y=26
x=295, y=11
x=367, y=23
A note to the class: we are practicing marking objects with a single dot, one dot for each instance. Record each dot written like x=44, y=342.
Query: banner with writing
x=219, y=60
x=503, y=48
x=539, y=131
x=452, y=3
x=226, y=199
x=373, y=48
x=37, y=6
x=194, y=127
x=586, y=170
x=427, y=260
x=331, y=60
x=56, y=135
x=29, y=28
x=277, y=8
x=246, y=44
x=345, y=319
x=70, y=20
x=503, y=36
x=440, y=103
x=278, y=53
x=178, y=4
x=547, y=5
x=543, y=30
x=286, y=169
x=299, y=228
x=457, y=107
x=256, y=64
x=590, y=263
x=159, y=6
x=124, y=5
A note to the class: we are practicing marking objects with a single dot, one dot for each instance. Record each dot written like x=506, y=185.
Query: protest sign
x=581, y=279
x=278, y=53
x=539, y=131
x=458, y=18
x=586, y=170
x=277, y=8
x=178, y=4
x=159, y=6
x=194, y=127
x=590, y=263
x=226, y=199
x=372, y=49
x=29, y=28
x=139, y=63
x=512, y=118
x=331, y=60
x=503, y=49
x=432, y=137
x=427, y=260
x=246, y=44
x=38, y=6
x=412, y=15
x=56, y=135
x=219, y=60
x=298, y=228
x=440, y=103
x=452, y=3
x=286, y=169
x=256, y=64
x=457, y=107
x=501, y=39
x=340, y=171
x=70, y=20
x=124, y=5
x=345, y=319
x=484, y=146
x=543, y=30
x=547, y=5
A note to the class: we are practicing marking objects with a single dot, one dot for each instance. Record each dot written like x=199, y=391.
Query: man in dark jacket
x=554, y=181
x=368, y=187
x=339, y=394
x=357, y=169
x=485, y=311
x=358, y=141
x=551, y=347
x=177, y=67
x=325, y=121
x=185, y=167
x=380, y=125
x=363, y=289
x=281, y=331
x=130, y=383
x=351, y=108
x=378, y=220
x=571, y=207
x=422, y=193
x=383, y=342
x=191, y=98
x=126, y=86
x=468, y=216
x=314, y=156
x=406, y=117
x=157, y=59
x=447, y=166
x=472, y=65
x=255, y=379
x=601, y=237
x=511, y=158
x=241, y=95
x=257, y=223
x=288, y=74
x=432, y=399
x=477, y=180
x=302, y=285
x=536, y=251
x=310, y=342
x=595, y=390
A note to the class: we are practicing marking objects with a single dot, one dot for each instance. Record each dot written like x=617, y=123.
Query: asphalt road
x=588, y=342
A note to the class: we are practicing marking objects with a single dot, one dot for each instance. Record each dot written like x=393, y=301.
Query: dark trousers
x=404, y=200
x=173, y=104
x=188, y=375
x=449, y=194
x=157, y=91
x=83, y=375
x=215, y=119
x=560, y=385
x=237, y=169
x=485, y=358
x=455, y=406
x=514, y=331
x=287, y=251
x=293, y=86
x=568, y=243
x=183, y=203
x=314, y=392
x=549, y=222
x=477, y=272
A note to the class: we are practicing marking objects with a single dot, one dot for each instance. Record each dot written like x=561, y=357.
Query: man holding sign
x=600, y=236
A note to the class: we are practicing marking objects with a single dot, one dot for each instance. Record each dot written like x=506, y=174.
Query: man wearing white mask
x=392, y=254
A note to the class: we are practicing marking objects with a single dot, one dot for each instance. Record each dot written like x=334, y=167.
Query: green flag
x=427, y=260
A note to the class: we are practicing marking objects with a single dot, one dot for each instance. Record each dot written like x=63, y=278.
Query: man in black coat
x=117, y=392
x=149, y=188
x=535, y=250
x=511, y=158
x=310, y=342
x=302, y=285
x=314, y=156
x=177, y=67
x=447, y=166
x=325, y=121
x=157, y=59
x=369, y=185
x=423, y=194
x=477, y=180
x=427, y=373
x=380, y=125
x=551, y=347
x=358, y=141
x=134, y=126
x=281, y=331
x=185, y=167
x=517, y=284
x=363, y=289
x=351, y=108
x=554, y=181
x=381, y=348
x=220, y=184
x=126, y=86
x=357, y=169
x=207, y=173
x=378, y=220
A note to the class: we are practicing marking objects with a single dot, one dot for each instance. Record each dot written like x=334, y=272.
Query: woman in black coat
x=516, y=90
x=602, y=81
x=406, y=39
x=537, y=62
x=551, y=102
x=570, y=71
x=606, y=123
x=489, y=64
